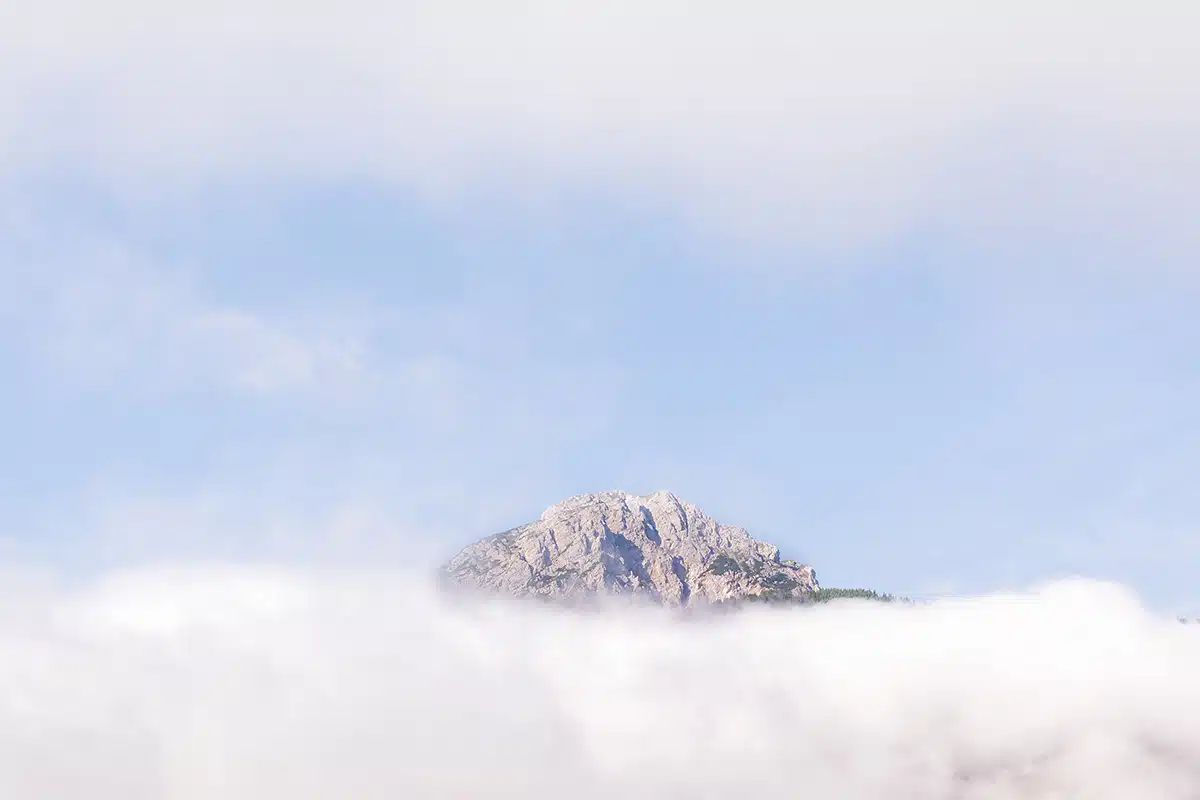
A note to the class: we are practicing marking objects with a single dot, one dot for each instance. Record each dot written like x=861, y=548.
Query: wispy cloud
x=831, y=126
x=231, y=524
x=116, y=318
x=108, y=317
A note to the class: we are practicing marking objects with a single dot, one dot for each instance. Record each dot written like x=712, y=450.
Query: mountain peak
x=574, y=504
x=616, y=543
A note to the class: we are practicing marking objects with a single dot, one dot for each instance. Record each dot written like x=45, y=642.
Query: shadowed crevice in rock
x=680, y=570
x=650, y=527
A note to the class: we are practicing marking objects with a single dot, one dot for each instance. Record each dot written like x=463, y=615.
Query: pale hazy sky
x=911, y=291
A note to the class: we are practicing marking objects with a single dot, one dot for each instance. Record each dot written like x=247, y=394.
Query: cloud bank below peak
x=271, y=683
x=811, y=125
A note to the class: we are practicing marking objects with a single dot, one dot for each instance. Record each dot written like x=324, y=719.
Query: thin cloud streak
x=105, y=315
x=828, y=127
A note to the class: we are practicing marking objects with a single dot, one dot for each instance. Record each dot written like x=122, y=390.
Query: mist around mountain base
x=274, y=684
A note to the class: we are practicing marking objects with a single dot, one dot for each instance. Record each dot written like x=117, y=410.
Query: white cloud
x=832, y=126
x=228, y=523
x=265, y=683
x=297, y=504
x=112, y=317
x=107, y=316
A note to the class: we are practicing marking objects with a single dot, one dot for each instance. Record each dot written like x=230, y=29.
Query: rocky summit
x=613, y=543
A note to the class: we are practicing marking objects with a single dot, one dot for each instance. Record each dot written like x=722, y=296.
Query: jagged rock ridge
x=621, y=544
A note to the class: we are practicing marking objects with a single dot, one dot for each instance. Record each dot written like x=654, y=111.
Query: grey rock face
x=614, y=543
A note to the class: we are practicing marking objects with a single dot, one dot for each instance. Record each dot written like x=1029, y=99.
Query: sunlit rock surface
x=612, y=543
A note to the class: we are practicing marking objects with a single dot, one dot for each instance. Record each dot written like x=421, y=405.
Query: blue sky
x=914, y=302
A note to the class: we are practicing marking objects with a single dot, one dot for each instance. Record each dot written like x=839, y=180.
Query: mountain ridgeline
x=654, y=547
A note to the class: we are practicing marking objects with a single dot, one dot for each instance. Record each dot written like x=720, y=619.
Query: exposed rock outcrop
x=614, y=543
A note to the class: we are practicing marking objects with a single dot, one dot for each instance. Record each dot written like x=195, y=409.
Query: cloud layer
x=827, y=126
x=260, y=683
